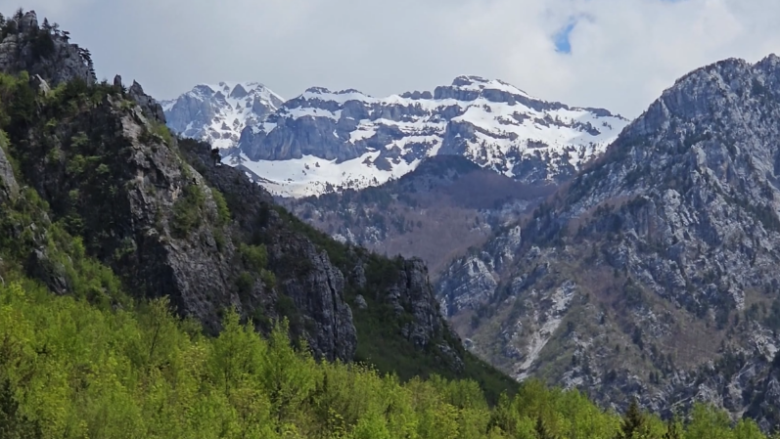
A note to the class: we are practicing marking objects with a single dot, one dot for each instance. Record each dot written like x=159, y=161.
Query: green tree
x=634, y=425
x=541, y=430
x=674, y=430
x=14, y=424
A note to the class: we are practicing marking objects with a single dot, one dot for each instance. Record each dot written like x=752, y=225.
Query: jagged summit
x=217, y=113
x=323, y=140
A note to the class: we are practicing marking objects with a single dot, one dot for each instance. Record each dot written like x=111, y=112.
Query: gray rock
x=63, y=62
x=360, y=302
x=150, y=108
x=359, y=276
x=41, y=84
x=9, y=188
x=675, y=227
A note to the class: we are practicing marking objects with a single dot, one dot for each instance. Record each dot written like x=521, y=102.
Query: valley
x=463, y=263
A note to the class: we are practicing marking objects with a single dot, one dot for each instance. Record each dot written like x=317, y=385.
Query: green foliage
x=634, y=424
x=71, y=370
x=187, y=210
x=223, y=212
x=255, y=256
x=159, y=129
x=269, y=278
x=245, y=282
x=13, y=424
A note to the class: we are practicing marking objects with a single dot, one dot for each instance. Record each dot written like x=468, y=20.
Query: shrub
x=255, y=256
x=187, y=210
x=245, y=282
x=162, y=131
x=223, y=212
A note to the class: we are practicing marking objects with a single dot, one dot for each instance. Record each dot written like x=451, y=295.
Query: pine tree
x=541, y=430
x=673, y=430
x=633, y=424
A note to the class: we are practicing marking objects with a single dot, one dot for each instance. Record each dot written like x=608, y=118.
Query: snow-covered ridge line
x=359, y=140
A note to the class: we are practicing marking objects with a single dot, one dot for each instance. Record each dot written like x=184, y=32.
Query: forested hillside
x=69, y=369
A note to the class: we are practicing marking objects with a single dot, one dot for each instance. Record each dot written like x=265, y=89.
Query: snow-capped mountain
x=324, y=141
x=218, y=113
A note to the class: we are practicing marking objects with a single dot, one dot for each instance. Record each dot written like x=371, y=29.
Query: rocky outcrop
x=412, y=294
x=9, y=188
x=317, y=287
x=304, y=274
x=471, y=281
x=43, y=50
x=150, y=108
x=652, y=272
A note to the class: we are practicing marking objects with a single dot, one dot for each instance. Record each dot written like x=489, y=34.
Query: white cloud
x=624, y=52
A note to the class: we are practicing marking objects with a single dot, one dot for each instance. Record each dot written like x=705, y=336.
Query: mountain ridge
x=98, y=200
x=653, y=270
x=326, y=141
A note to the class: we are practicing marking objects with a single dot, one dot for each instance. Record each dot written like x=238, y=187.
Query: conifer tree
x=541, y=430
x=633, y=424
x=673, y=430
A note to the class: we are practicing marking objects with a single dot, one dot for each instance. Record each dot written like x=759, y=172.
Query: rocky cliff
x=42, y=49
x=654, y=272
x=99, y=200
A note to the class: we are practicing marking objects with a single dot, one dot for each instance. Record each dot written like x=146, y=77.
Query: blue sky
x=561, y=38
x=619, y=54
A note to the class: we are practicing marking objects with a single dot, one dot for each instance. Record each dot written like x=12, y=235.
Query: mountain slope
x=436, y=212
x=219, y=113
x=98, y=200
x=655, y=271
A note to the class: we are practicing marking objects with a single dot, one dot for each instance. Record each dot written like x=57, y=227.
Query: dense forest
x=69, y=369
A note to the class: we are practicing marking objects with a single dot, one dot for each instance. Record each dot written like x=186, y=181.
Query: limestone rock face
x=654, y=272
x=9, y=188
x=43, y=51
x=151, y=109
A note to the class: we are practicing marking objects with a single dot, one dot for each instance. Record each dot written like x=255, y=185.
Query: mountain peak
x=218, y=113
x=478, y=83
x=340, y=96
x=678, y=219
x=325, y=140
